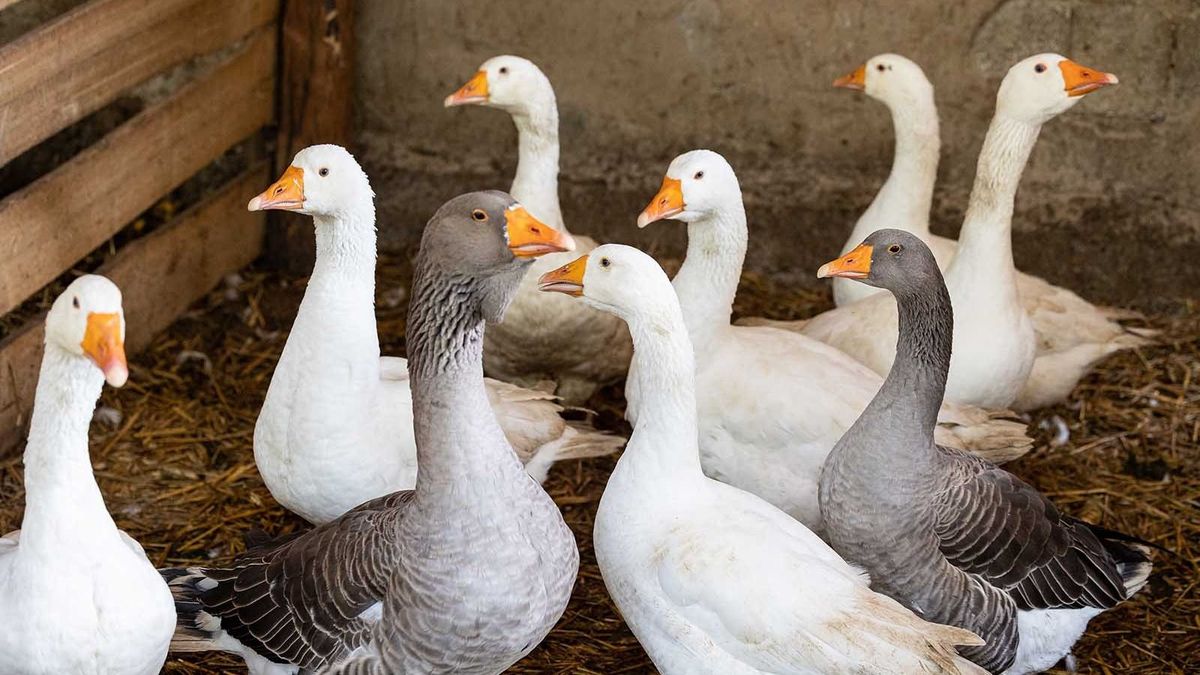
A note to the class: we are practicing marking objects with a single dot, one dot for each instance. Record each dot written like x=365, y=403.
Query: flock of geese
x=809, y=497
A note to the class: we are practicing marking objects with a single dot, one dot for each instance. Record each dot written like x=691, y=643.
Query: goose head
x=890, y=79
x=323, y=180
x=614, y=278
x=1045, y=85
x=490, y=240
x=87, y=321
x=893, y=260
x=507, y=82
x=697, y=184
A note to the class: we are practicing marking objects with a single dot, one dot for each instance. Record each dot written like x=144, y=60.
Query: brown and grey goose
x=952, y=536
x=467, y=572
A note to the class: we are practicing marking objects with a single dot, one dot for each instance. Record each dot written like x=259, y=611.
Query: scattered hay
x=178, y=473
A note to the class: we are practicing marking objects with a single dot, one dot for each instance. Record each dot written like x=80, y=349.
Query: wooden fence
x=282, y=71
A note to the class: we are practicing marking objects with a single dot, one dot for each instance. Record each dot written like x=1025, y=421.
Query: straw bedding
x=172, y=453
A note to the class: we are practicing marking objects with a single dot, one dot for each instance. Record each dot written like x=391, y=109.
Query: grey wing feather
x=991, y=524
x=299, y=601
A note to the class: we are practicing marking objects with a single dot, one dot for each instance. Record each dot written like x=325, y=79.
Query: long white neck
x=665, y=440
x=985, y=243
x=906, y=196
x=336, y=320
x=536, y=182
x=63, y=506
x=707, y=282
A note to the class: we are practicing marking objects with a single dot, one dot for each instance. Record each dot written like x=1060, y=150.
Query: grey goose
x=465, y=573
x=951, y=536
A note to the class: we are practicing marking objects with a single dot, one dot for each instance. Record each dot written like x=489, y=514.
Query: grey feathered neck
x=445, y=324
x=907, y=405
x=458, y=438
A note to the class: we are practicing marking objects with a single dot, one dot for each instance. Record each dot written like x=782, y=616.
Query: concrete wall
x=1110, y=195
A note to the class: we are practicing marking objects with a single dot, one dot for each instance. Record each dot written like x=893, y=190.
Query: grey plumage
x=955, y=538
x=467, y=572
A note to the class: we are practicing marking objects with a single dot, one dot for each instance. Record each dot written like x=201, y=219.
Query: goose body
x=77, y=595
x=1071, y=333
x=336, y=427
x=543, y=337
x=772, y=403
x=954, y=537
x=467, y=572
x=709, y=578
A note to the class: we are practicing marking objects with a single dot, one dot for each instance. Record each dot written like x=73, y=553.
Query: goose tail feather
x=189, y=636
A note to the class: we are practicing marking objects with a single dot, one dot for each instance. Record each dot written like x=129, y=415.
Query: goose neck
x=707, y=282
x=64, y=507
x=535, y=184
x=985, y=244
x=914, y=165
x=458, y=439
x=665, y=439
x=338, y=308
x=905, y=410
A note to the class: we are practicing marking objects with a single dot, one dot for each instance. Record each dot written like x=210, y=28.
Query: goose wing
x=993, y=525
x=302, y=601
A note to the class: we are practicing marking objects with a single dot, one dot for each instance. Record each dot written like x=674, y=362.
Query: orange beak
x=529, y=237
x=567, y=279
x=668, y=202
x=1080, y=80
x=854, y=265
x=286, y=194
x=856, y=80
x=474, y=91
x=104, y=344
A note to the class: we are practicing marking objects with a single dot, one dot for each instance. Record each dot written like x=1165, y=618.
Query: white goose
x=709, y=578
x=772, y=403
x=994, y=342
x=1072, y=334
x=336, y=427
x=543, y=337
x=77, y=595
x=904, y=200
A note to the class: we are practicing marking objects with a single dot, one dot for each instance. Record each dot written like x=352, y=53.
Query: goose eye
x=75, y=302
x=894, y=248
x=1041, y=67
x=605, y=262
x=479, y=214
x=323, y=172
x=880, y=68
x=699, y=175
x=504, y=70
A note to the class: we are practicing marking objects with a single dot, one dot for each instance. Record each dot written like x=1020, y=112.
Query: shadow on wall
x=1108, y=196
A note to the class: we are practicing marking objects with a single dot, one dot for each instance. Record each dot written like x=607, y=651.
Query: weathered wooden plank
x=316, y=95
x=60, y=218
x=160, y=275
x=68, y=68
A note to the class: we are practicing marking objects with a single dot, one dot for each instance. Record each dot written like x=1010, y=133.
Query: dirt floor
x=172, y=453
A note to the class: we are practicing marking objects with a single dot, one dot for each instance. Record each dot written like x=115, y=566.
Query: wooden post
x=316, y=88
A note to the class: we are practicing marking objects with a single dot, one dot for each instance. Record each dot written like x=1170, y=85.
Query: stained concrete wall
x=1108, y=204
